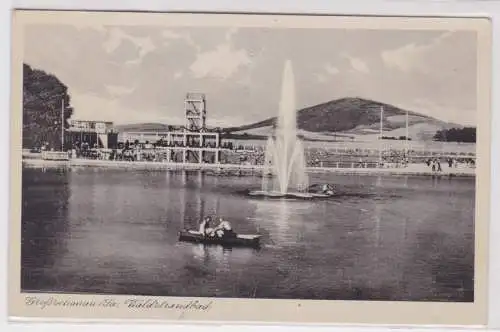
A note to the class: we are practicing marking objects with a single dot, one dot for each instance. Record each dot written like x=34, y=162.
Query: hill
x=336, y=116
x=142, y=127
x=352, y=117
x=347, y=117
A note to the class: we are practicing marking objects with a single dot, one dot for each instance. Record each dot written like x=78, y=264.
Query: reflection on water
x=376, y=216
x=220, y=256
x=286, y=220
x=115, y=231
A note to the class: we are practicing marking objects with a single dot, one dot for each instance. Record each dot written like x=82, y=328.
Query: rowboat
x=239, y=240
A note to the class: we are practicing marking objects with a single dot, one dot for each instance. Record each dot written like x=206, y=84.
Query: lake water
x=109, y=231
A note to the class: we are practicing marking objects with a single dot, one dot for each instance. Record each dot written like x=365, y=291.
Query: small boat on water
x=239, y=240
x=288, y=195
x=324, y=189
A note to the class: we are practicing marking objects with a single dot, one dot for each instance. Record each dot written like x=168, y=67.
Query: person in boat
x=327, y=189
x=224, y=229
x=205, y=226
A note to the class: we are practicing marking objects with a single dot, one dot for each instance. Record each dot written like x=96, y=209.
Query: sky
x=131, y=74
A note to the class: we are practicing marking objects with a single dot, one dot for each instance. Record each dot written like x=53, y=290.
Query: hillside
x=347, y=117
x=353, y=117
x=337, y=116
x=142, y=127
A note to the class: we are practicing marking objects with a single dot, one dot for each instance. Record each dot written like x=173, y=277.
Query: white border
x=367, y=7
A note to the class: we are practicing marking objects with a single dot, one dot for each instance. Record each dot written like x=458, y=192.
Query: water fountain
x=284, y=171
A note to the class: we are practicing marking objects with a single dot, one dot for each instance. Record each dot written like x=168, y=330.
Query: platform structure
x=194, y=143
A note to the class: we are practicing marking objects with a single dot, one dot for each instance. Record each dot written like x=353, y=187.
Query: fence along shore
x=356, y=168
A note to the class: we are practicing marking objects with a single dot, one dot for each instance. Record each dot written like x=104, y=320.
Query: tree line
x=45, y=97
x=461, y=135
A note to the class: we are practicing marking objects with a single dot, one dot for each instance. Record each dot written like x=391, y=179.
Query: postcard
x=249, y=168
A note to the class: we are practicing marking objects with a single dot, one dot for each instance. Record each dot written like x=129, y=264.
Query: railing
x=340, y=164
x=315, y=159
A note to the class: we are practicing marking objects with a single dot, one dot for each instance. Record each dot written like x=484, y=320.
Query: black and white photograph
x=243, y=161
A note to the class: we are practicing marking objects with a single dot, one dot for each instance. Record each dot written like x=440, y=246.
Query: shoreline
x=240, y=170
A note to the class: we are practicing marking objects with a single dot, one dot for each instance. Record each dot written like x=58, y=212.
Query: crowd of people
x=322, y=157
x=435, y=164
x=256, y=155
x=191, y=142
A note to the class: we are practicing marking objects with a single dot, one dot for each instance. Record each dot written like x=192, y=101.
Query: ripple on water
x=108, y=232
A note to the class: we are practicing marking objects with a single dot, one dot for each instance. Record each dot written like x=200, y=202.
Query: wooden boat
x=240, y=240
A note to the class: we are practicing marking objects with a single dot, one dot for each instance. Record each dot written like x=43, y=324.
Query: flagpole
x=381, y=134
x=406, y=136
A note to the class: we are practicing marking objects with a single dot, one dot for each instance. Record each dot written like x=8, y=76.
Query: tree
x=43, y=97
x=464, y=135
